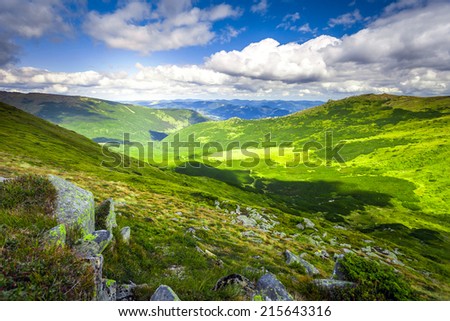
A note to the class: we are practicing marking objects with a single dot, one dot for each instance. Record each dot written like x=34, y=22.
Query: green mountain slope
x=162, y=206
x=103, y=120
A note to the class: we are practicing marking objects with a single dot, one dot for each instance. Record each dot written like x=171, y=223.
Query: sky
x=206, y=49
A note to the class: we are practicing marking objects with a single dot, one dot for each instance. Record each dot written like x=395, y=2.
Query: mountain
x=385, y=210
x=103, y=120
x=245, y=109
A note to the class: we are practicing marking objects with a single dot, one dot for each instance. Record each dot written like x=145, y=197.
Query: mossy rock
x=74, y=205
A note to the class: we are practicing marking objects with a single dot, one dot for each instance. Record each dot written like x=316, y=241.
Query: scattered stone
x=126, y=234
x=56, y=236
x=346, y=251
x=293, y=259
x=330, y=284
x=246, y=221
x=177, y=270
x=322, y=254
x=199, y=250
x=271, y=289
x=3, y=179
x=368, y=241
x=367, y=249
x=248, y=234
x=164, y=293
x=233, y=279
x=191, y=230
x=105, y=215
x=179, y=213
x=345, y=245
x=74, y=205
x=300, y=226
x=339, y=227
x=308, y=223
x=125, y=292
x=338, y=271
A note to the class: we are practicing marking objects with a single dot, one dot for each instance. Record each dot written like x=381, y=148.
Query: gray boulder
x=164, y=293
x=125, y=292
x=271, y=289
x=300, y=226
x=292, y=259
x=308, y=223
x=126, y=234
x=105, y=215
x=74, y=205
x=56, y=236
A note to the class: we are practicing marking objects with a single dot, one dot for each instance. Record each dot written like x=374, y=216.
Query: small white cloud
x=229, y=32
x=260, y=7
x=346, y=20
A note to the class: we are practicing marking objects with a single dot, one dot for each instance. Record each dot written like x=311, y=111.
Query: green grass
x=30, y=269
x=398, y=179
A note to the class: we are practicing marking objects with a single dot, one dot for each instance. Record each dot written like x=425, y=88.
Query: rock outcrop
x=164, y=293
x=269, y=288
x=74, y=205
x=126, y=234
x=291, y=258
x=105, y=216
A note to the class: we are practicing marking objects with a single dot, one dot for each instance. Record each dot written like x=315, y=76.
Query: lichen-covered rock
x=271, y=289
x=87, y=247
x=97, y=265
x=125, y=292
x=108, y=291
x=105, y=215
x=164, y=293
x=102, y=238
x=126, y=234
x=74, y=205
x=330, y=284
x=56, y=236
x=300, y=226
x=291, y=258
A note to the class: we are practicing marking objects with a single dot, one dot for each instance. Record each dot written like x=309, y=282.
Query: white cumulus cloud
x=172, y=25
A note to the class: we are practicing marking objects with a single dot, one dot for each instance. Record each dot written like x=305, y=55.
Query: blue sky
x=255, y=49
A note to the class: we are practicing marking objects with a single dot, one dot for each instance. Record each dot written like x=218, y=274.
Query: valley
x=382, y=194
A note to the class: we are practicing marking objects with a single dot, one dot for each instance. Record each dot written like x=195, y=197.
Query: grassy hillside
x=393, y=182
x=161, y=206
x=102, y=120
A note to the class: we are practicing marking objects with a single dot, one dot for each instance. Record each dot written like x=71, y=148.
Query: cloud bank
x=405, y=51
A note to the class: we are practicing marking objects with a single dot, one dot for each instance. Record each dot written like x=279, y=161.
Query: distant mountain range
x=102, y=120
x=226, y=109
